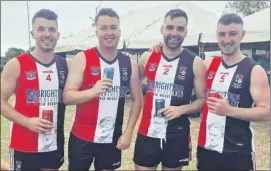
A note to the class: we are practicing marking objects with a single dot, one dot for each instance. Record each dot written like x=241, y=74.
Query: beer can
x=47, y=115
x=108, y=73
x=215, y=94
x=159, y=104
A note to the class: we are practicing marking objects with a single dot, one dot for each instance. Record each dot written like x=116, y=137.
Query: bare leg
x=4, y=165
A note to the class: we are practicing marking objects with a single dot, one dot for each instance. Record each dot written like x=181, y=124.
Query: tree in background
x=11, y=53
x=246, y=7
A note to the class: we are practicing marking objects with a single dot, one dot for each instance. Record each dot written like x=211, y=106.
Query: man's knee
x=4, y=165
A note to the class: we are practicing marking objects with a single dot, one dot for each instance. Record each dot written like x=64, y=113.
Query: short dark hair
x=174, y=13
x=45, y=13
x=230, y=18
x=106, y=12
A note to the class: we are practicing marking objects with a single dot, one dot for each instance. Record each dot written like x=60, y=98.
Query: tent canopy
x=257, y=27
x=141, y=28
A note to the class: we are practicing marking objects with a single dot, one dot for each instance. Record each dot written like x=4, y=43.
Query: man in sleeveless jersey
x=97, y=84
x=37, y=79
x=164, y=132
x=238, y=94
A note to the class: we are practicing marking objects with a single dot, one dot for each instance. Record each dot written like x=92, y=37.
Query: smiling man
x=171, y=74
x=37, y=79
x=243, y=97
x=97, y=84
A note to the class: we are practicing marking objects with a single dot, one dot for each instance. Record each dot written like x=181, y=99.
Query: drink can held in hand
x=108, y=73
x=159, y=104
x=215, y=94
x=47, y=115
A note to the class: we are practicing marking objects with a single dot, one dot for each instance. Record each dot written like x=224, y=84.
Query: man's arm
x=9, y=79
x=260, y=92
x=69, y=62
x=72, y=95
x=136, y=93
x=199, y=69
x=207, y=62
x=141, y=65
x=9, y=83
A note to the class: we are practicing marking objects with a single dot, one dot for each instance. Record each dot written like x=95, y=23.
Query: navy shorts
x=82, y=153
x=171, y=152
x=35, y=161
x=212, y=160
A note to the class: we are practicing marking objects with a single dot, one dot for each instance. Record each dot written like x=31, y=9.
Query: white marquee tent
x=141, y=28
x=257, y=28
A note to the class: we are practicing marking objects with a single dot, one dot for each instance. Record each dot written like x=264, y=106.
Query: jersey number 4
x=48, y=77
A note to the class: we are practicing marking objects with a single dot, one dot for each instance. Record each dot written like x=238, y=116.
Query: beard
x=173, y=42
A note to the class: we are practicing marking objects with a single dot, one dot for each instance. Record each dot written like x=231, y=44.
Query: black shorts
x=82, y=153
x=172, y=152
x=212, y=160
x=36, y=161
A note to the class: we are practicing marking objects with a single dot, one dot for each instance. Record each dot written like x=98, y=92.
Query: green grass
x=261, y=138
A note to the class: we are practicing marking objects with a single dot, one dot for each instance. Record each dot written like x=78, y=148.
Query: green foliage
x=245, y=7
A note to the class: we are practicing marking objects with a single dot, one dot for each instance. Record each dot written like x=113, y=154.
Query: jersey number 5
x=222, y=78
x=48, y=77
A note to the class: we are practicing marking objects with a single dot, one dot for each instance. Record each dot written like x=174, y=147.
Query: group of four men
x=229, y=92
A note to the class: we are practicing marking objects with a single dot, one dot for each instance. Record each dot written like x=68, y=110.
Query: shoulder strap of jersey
x=152, y=64
x=211, y=72
x=92, y=69
x=125, y=68
x=215, y=63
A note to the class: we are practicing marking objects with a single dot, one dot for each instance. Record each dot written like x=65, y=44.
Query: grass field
x=261, y=138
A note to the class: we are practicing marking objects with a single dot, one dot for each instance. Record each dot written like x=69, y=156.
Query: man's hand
x=39, y=125
x=219, y=106
x=157, y=47
x=172, y=112
x=124, y=142
x=101, y=86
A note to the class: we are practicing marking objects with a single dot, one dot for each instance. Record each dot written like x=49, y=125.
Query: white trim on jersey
x=216, y=124
x=165, y=74
x=108, y=106
x=48, y=99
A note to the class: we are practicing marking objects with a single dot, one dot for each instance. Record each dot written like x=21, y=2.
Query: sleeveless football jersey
x=39, y=94
x=226, y=134
x=100, y=119
x=169, y=83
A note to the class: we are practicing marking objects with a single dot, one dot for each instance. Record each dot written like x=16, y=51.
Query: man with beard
x=239, y=76
x=171, y=76
x=30, y=76
x=97, y=83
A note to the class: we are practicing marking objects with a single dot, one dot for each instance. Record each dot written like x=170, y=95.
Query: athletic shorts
x=171, y=152
x=212, y=160
x=20, y=161
x=82, y=153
